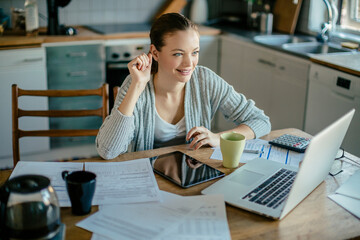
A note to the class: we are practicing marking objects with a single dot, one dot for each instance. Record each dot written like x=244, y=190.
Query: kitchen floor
x=71, y=153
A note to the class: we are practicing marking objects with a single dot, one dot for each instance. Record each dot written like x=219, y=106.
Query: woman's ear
x=154, y=52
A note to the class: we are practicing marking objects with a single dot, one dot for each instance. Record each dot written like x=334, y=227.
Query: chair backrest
x=115, y=91
x=18, y=113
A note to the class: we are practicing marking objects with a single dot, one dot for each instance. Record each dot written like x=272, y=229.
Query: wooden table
x=316, y=217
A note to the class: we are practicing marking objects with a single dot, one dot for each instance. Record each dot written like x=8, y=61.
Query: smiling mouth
x=185, y=72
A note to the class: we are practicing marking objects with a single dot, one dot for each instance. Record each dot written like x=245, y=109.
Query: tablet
x=183, y=170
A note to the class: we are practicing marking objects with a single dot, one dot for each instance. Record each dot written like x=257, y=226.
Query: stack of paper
x=348, y=195
x=116, y=182
x=182, y=218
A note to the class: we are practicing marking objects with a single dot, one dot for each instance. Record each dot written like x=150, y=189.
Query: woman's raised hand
x=202, y=136
x=140, y=68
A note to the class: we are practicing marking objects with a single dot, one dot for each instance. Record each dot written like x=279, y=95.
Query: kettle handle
x=4, y=197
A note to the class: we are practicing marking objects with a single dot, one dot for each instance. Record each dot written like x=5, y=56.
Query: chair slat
x=59, y=133
x=60, y=113
x=60, y=93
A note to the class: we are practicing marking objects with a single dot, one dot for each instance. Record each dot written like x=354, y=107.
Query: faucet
x=329, y=26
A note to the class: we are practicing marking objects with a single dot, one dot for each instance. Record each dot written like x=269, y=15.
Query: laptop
x=273, y=189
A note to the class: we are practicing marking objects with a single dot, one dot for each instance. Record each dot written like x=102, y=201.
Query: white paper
x=350, y=204
x=348, y=194
x=268, y=151
x=351, y=187
x=139, y=221
x=124, y=182
x=53, y=171
x=209, y=222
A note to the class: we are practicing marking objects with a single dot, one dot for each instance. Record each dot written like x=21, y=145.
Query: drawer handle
x=33, y=59
x=117, y=66
x=77, y=74
x=263, y=61
x=76, y=54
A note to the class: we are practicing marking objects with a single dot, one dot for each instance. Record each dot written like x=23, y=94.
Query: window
x=349, y=15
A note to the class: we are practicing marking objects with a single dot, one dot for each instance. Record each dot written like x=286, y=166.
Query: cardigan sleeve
x=235, y=107
x=117, y=130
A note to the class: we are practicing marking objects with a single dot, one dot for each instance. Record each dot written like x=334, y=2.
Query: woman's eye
x=196, y=53
x=177, y=54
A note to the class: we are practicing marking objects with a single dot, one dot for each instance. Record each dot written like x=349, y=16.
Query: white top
x=167, y=134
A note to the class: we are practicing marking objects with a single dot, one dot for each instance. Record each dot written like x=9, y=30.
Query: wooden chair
x=115, y=91
x=17, y=113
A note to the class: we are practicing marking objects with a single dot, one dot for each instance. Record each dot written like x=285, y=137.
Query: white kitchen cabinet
x=276, y=81
x=208, y=56
x=27, y=69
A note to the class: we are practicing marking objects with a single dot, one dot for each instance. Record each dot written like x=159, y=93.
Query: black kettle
x=29, y=208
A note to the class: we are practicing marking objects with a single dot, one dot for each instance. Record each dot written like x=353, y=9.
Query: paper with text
x=124, y=182
x=53, y=171
x=267, y=151
x=139, y=221
x=209, y=222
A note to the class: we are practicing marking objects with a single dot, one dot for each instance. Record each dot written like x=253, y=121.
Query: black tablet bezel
x=218, y=175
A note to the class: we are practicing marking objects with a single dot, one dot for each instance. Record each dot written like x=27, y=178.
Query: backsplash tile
x=81, y=12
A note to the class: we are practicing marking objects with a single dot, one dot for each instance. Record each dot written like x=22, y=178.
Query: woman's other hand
x=140, y=68
x=202, y=136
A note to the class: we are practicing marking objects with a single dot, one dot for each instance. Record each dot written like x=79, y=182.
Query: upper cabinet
x=277, y=82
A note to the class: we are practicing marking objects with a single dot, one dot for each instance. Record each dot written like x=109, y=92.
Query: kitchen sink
x=314, y=48
x=278, y=40
x=299, y=44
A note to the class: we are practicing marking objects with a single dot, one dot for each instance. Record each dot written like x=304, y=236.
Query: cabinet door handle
x=117, y=66
x=263, y=61
x=76, y=54
x=77, y=74
x=33, y=59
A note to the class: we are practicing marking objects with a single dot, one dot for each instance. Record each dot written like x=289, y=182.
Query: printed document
x=51, y=170
x=208, y=222
x=116, y=182
x=124, y=182
x=266, y=151
x=139, y=221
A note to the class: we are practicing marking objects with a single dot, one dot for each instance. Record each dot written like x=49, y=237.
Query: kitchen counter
x=346, y=62
x=9, y=41
x=349, y=63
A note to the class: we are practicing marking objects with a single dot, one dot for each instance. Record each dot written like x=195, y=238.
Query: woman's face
x=180, y=55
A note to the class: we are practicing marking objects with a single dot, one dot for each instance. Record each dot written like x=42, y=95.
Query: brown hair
x=167, y=24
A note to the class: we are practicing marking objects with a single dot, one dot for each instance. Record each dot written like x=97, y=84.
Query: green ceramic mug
x=232, y=146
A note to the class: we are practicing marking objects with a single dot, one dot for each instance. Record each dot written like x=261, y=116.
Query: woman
x=168, y=100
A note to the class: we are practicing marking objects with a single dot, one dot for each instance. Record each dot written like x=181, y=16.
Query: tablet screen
x=183, y=170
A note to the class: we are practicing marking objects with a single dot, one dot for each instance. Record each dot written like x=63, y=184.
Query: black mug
x=80, y=186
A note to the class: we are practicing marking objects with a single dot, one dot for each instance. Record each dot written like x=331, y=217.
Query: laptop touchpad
x=246, y=177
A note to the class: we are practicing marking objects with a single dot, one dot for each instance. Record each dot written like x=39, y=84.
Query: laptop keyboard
x=274, y=190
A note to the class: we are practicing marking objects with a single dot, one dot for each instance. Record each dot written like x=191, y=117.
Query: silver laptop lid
x=317, y=161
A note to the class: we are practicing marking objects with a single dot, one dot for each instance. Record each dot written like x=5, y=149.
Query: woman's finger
x=193, y=132
x=197, y=139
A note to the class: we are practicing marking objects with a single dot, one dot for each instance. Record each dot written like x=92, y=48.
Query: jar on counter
x=31, y=17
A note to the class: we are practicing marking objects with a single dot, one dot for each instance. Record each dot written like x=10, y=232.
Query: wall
x=81, y=12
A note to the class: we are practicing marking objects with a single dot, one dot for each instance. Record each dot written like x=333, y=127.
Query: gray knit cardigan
x=205, y=93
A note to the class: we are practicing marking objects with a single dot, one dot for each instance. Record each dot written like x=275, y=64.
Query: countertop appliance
x=29, y=209
x=120, y=28
x=331, y=94
x=118, y=54
x=53, y=18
